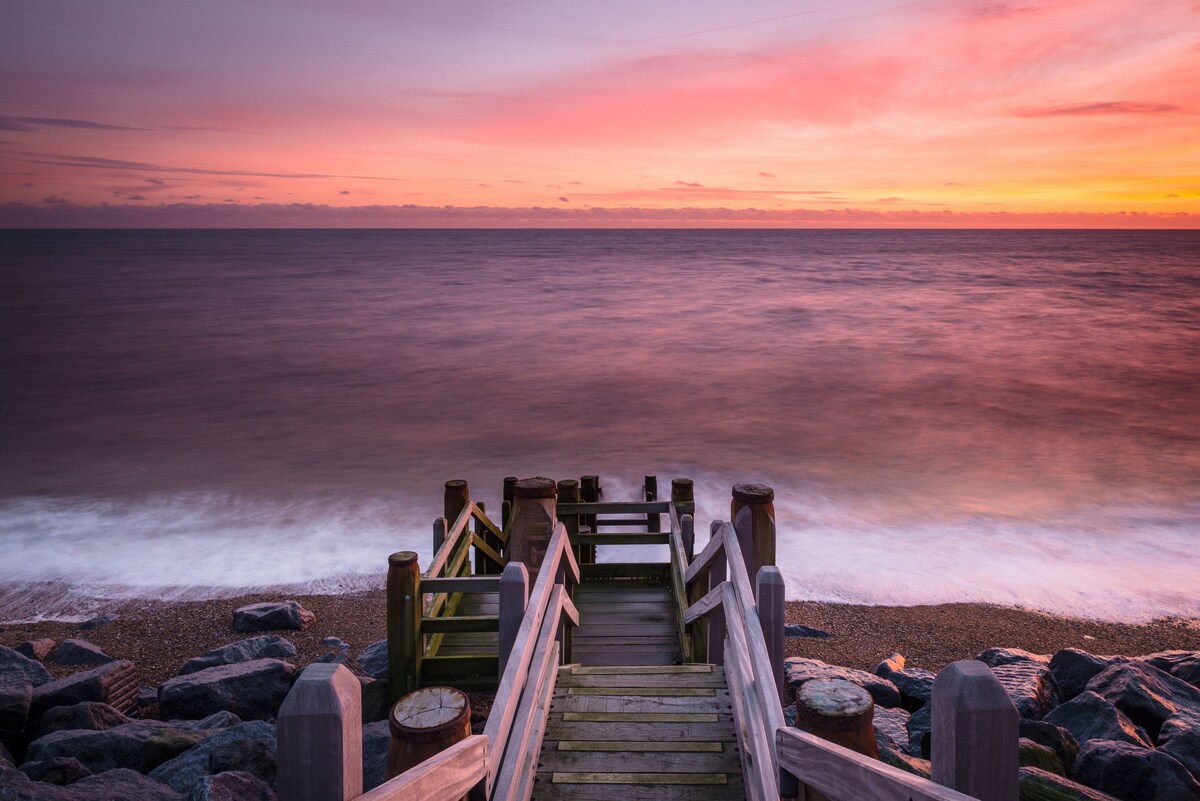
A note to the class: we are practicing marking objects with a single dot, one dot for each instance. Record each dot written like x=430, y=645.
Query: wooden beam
x=513, y=600
x=622, y=538
x=447, y=776
x=975, y=733
x=616, y=508
x=461, y=584
x=441, y=667
x=609, y=570
x=705, y=605
x=460, y=624
x=320, y=736
x=702, y=562
x=482, y=547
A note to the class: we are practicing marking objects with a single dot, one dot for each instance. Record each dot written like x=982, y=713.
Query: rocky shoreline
x=178, y=700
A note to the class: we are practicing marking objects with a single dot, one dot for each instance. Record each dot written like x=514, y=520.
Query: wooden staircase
x=640, y=732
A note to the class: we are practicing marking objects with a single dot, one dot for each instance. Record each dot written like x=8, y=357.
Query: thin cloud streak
x=1089, y=109
x=93, y=162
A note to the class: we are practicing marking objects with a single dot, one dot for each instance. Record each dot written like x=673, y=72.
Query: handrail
x=445, y=776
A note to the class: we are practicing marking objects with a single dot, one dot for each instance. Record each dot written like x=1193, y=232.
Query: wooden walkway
x=640, y=732
x=625, y=622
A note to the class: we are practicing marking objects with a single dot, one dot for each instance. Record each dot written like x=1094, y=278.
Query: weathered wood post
x=455, y=499
x=650, y=491
x=687, y=526
x=423, y=724
x=755, y=526
x=718, y=572
x=589, y=492
x=568, y=492
x=440, y=528
x=514, y=597
x=320, y=736
x=974, y=741
x=510, y=483
x=533, y=518
x=403, y=624
x=768, y=589
x=840, y=712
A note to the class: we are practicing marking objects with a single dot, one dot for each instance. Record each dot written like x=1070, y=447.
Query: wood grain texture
x=319, y=728
x=975, y=733
x=445, y=777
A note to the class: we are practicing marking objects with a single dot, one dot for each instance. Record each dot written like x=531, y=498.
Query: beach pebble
x=1180, y=737
x=798, y=670
x=59, y=770
x=374, y=660
x=1073, y=669
x=1042, y=785
x=1087, y=716
x=35, y=649
x=1132, y=772
x=90, y=715
x=1061, y=741
x=1146, y=694
x=114, y=684
x=266, y=646
x=100, y=621
x=1030, y=687
x=995, y=657
x=248, y=747
x=13, y=661
x=272, y=616
x=375, y=739
x=251, y=690
x=80, y=652
x=232, y=785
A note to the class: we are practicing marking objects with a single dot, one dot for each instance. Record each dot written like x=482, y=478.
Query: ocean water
x=999, y=416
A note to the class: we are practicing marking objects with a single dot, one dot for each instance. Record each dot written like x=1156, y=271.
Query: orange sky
x=529, y=112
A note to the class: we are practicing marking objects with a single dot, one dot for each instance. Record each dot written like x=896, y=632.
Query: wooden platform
x=625, y=622
x=640, y=732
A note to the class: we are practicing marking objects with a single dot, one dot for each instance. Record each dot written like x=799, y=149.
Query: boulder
x=915, y=686
x=1167, y=661
x=920, y=728
x=337, y=644
x=995, y=657
x=1036, y=755
x=796, y=630
x=909, y=764
x=799, y=670
x=36, y=649
x=1073, y=669
x=1133, y=773
x=375, y=704
x=1061, y=741
x=112, y=785
x=6, y=758
x=141, y=745
x=16, y=696
x=80, y=652
x=789, y=715
x=60, y=770
x=251, y=690
x=272, y=617
x=375, y=739
x=1089, y=717
x=248, y=747
x=892, y=725
x=267, y=646
x=1029, y=685
x=374, y=660
x=114, y=684
x=147, y=696
x=1189, y=671
x=217, y=720
x=890, y=665
x=14, y=661
x=1041, y=785
x=1180, y=737
x=98, y=622
x=90, y=715
x=232, y=785
x=1146, y=694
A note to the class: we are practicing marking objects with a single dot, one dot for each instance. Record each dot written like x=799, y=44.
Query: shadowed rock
x=232, y=785
x=267, y=646
x=112, y=785
x=1180, y=737
x=16, y=696
x=251, y=690
x=141, y=745
x=920, y=727
x=1029, y=685
x=80, y=652
x=1054, y=737
x=1089, y=717
x=1041, y=785
x=59, y=770
x=98, y=622
x=1036, y=755
x=1073, y=669
x=272, y=617
x=375, y=739
x=36, y=649
x=11, y=661
x=995, y=657
x=248, y=747
x=90, y=715
x=1133, y=773
x=374, y=660
x=1146, y=694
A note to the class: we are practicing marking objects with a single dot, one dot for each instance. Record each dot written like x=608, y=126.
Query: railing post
x=769, y=591
x=533, y=518
x=440, y=527
x=510, y=483
x=514, y=597
x=684, y=499
x=650, y=491
x=487, y=536
x=568, y=492
x=716, y=619
x=455, y=499
x=757, y=535
x=320, y=736
x=403, y=624
x=687, y=525
x=975, y=733
x=589, y=492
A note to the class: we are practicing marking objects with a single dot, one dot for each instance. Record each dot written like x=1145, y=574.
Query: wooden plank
x=438, y=667
x=454, y=538
x=758, y=769
x=844, y=774
x=649, y=692
x=600, y=658
x=487, y=550
x=460, y=624
x=614, y=508
x=639, y=778
x=642, y=703
x=626, y=521
x=583, y=670
x=705, y=605
x=641, y=717
x=446, y=776
x=583, y=761
x=610, y=570
x=702, y=562
x=721, y=730
x=621, y=538
x=486, y=522
x=472, y=584
x=648, y=626
x=684, y=746
x=546, y=790
x=649, y=683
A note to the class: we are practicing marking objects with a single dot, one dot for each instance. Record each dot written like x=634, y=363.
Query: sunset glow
x=527, y=112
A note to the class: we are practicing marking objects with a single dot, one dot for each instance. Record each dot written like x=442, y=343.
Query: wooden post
x=483, y=564
x=697, y=629
x=439, y=534
x=320, y=736
x=683, y=495
x=568, y=492
x=687, y=525
x=514, y=597
x=840, y=712
x=510, y=483
x=650, y=491
x=423, y=724
x=975, y=733
x=760, y=500
x=455, y=499
x=589, y=492
x=768, y=590
x=716, y=619
x=533, y=518
x=403, y=624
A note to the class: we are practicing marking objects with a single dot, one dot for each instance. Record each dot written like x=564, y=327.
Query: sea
x=1009, y=417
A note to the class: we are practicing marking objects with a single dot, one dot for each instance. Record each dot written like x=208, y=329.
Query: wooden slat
x=844, y=775
x=472, y=584
x=614, y=508
x=586, y=761
x=486, y=522
x=615, y=570
x=641, y=717
x=715, y=704
x=756, y=747
x=487, y=550
x=446, y=776
x=583, y=670
x=661, y=692
x=639, y=778
x=648, y=683
x=641, y=730
x=643, y=747
x=439, y=667
x=705, y=605
x=453, y=537
x=548, y=791
x=621, y=538
x=460, y=623
x=703, y=560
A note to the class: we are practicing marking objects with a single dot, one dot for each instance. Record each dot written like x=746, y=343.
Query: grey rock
x=915, y=686
x=892, y=725
x=1061, y=741
x=272, y=617
x=266, y=646
x=1030, y=687
x=6, y=758
x=910, y=764
x=1073, y=669
x=16, y=697
x=1180, y=737
x=920, y=729
x=99, y=621
x=114, y=684
x=36, y=649
x=796, y=630
x=89, y=715
x=1146, y=694
x=1036, y=755
x=890, y=665
x=141, y=745
x=232, y=785
x=112, y=785
x=80, y=652
x=147, y=696
x=375, y=704
x=1166, y=661
x=217, y=720
x=1189, y=671
x=800, y=670
x=1089, y=717
x=251, y=690
x=374, y=660
x=1041, y=785
x=789, y=715
x=376, y=737
x=1132, y=773
x=337, y=644
x=12, y=661
x=995, y=657
x=60, y=770
x=248, y=747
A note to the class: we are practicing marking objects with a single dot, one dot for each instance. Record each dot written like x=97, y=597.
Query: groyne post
x=589, y=492
x=319, y=751
x=510, y=483
x=683, y=496
x=768, y=590
x=568, y=492
x=533, y=518
x=752, y=511
x=403, y=624
x=974, y=740
x=717, y=572
x=650, y=492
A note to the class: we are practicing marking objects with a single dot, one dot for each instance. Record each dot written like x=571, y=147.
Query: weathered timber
x=974, y=738
x=460, y=623
x=445, y=777
x=533, y=518
x=769, y=592
x=758, y=545
x=514, y=597
x=424, y=723
x=650, y=493
x=618, y=507
x=319, y=728
x=456, y=499
x=621, y=538
x=611, y=570
x=461, y=584
x=403, y=624
x=589, y=492
x=510, y=485
x=840, y=712
x=488, y=562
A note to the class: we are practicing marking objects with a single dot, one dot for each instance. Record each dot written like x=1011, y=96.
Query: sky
x=1076, y=113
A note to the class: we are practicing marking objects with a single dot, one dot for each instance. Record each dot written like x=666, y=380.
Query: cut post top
x=753, y=494
x=536, y=487
x=402, y=558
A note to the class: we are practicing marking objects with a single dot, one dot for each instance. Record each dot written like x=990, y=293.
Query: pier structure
x=620, y=680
